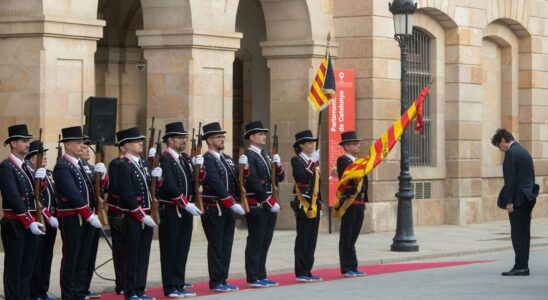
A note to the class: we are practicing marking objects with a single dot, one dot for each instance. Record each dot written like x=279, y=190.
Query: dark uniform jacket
x=258, y=183
x=16, y=187
x=342, y=162
x=74, y=192
x=113, y=200
x=303, y=173
x=221, y=180
x=519, y=178
x=134, y=182
x=177, y=174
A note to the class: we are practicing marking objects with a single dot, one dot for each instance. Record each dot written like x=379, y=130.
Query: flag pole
x=329, y=220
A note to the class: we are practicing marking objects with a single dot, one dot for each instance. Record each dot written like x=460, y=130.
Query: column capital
x=51, y=26
x=297, y=49
x=189, y=38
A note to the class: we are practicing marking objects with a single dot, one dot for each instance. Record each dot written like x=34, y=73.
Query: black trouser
x=175, y=233
x=137, y=252
x=260, y=224
x=520, y=222
x=116, y=224
x=305, y=242
x=19, y=258
x=42, y=269
x=219, y=231
x=351, y=224
x=76, y=252
x=95, y=235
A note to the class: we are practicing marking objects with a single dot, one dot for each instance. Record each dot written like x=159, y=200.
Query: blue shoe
x=92, y=295
x=174, y=294
x=359, y=273
x=38, y=298
x=302, y=279
x=257, y=284
x=188, y=285
x=50, y=298
x=221, y=288
x=187, y=293
x=270, y=283
x=134, y=297
x=147, y=297
x=231, y=287
x=314, y=278
x=349, y=274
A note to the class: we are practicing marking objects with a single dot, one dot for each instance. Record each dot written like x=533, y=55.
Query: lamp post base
x=404, y=246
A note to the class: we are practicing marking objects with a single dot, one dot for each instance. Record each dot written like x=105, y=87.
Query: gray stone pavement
x=435, y=241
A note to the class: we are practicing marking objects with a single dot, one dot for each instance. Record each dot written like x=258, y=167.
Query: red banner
x=341, y=118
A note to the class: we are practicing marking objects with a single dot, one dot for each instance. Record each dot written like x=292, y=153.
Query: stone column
x=47, y=67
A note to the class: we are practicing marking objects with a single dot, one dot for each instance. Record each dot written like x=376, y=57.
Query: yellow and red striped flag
x=382, y=146
x=323, y=87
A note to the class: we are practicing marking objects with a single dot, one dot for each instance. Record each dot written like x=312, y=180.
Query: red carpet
x=202, y=288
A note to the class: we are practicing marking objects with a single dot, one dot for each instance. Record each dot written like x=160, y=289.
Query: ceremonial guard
x=18, y=226
x=42, y=268
x=75, y=209
x=306, y=204
x=136, y=203
x=220, y=192
x=176, y=210
x=94, y=232
x=352, y=220
x=261, y=220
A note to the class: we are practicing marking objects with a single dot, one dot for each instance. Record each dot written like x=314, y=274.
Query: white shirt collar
x=510, y=145
x=16, y=160
x=72, y=159
x=173, y=153
x=304, y=156
x=135, y=159
x=352, y=157
x=215, y=153
x=255, y=149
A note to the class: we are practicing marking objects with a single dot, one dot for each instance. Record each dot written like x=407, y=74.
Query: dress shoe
x=516, y=272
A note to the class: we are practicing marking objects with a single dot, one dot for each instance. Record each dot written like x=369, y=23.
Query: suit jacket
x=221, y=180
x=258, y=183
x=16, y=188
x=134, y=185
x=113, y=200
x=72, y=189
x=342, y=162
x=519, y=178
x=177, y=177
x=303, y=174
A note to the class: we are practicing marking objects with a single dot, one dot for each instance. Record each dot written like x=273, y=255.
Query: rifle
x=241, y=183
x=151, y=143
x=38, y=182
x=197, y=149
x=274, y=174
x=100, y=202
x=154, y=201
x=59, y=149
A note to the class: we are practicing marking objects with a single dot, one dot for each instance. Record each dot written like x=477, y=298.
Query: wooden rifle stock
x=38, y=182
x=274, y=174
x=196, y=150
x=59, y=150
x=151, y=140
x=241, y=182
x=101, y=213
x=154, y=210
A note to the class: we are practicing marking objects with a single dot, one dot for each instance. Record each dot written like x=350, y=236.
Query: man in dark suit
x=518, y=197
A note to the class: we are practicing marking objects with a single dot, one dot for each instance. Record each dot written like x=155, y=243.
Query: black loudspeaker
x=101, y=119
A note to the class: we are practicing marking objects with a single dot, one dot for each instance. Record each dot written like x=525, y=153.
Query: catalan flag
x=323, y=87
x=380, y=149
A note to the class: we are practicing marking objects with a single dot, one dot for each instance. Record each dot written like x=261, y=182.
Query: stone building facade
x=237, y=60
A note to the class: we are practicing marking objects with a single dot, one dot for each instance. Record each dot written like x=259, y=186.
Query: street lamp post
x=404, y=240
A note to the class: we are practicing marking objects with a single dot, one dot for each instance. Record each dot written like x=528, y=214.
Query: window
x=420, y=74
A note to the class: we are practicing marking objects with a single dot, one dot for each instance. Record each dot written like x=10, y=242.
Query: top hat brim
x=255, y=130
x=210, y=133
x=16, y=137
x=304, y=140
x=31, y=153
x=72, y=138
x=130, y=139
x=349, y=141
x=170, y=134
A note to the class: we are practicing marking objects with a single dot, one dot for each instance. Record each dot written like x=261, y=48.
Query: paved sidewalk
x=434, y=242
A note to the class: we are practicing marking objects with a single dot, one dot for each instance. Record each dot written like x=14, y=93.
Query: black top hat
x=212, y=129
x=34, y=147
x=349, y=136
x=128, y=135
x=72, y=134
x=174, y=129
x=254, y=127
x=302, y=137
x=17, y=132
x=87, y=140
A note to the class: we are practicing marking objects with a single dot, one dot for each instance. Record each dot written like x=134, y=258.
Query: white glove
x=151, y=152
x=198, y=160
x=243, y=160
x=315, y=157
x=40, y=173
x=275, y=208
x=149, y=222
x=35, y=228
x=157, y=172
x=53, y=222
x=192, y=209
x=237, y=208
x=277, y=160
x=94, y=221
x=100, y=168
x=321, y=213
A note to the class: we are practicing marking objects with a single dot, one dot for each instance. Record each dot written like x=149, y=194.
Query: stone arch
x=513, y=13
